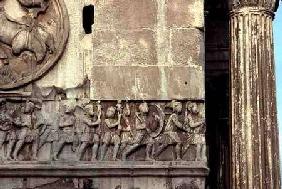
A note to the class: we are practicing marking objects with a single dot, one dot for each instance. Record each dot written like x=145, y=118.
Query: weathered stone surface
x=156, y=33
x=184, y=13
x=148, y=82
x=187, y=47
x=119, y=48
x=126, y=14
x=254, y=154
x=123, y=108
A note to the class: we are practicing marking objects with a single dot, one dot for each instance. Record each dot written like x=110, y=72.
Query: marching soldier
x=66, y=130
x=89, y=128
x=196, y=124
x=170, y=135
x=142, y=133
x=27, y=129
x=112, y=136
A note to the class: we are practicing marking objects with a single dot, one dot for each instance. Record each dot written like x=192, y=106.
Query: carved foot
x=116, y=159
x=178, y=159
x=94, y=159
x=123, y=158
x=55, y=158
x=149, y=159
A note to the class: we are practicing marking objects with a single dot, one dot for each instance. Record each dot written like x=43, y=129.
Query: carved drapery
x=254, y=143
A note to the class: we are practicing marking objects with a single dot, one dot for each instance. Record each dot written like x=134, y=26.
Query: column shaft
x=255, y=154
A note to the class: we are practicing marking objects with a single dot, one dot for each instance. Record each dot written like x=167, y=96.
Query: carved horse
x=27, y=36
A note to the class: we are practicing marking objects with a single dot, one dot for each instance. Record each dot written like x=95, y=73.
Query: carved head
x=176, y=106
x=126, y=110
x=89, y=109
x=68, y=109
x=111, y=111
x=193, y=108
x=143, y=107
x=29, y=107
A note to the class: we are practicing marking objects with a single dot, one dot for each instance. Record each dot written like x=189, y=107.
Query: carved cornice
x=267, y=5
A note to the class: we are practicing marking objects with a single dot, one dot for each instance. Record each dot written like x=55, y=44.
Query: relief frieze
x=34, y=129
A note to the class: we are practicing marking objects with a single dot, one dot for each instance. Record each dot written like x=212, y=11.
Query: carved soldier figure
x=196, y=124
x=142, y=133
x=126, y=128
x=170, y=135
x=7, y=131
x=89, y=133
x=112, y=136
x=27, y=130
x=66, y=130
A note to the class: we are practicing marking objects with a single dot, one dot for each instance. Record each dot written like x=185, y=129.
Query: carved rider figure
x=7, y=74
x=196, y=124
x=24, y=33
x=89, y=128
x=142, y=133
x=112, y=135
x=66, y=130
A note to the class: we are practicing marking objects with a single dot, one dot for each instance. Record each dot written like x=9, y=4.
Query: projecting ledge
x=104, y=169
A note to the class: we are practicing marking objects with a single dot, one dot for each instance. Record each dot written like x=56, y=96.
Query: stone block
x=125, y=14
x=147, y=83
x=187, y=47
x=124, y=48
x=185, y=13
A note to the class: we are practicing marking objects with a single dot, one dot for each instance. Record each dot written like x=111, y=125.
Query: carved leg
x=185, y=148
x=161, y=148
x=149, y=148
x=95, y=151
x=106, y=142
x=18, y=147
x=178, y=151
x=96, y=140
x=116, y=148
x=2, y=154
x=123, y=146
x=81, y=150
x=9, y=149
x=35, y=149
x=198, y=152
x=129, y=151
x=203, y=153
x=58, y=147
x=103, y=151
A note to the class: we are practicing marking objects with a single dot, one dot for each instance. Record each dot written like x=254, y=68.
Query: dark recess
x=88, y=18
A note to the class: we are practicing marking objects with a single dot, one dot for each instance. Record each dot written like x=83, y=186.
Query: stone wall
x=120, y=107
x=148, y=49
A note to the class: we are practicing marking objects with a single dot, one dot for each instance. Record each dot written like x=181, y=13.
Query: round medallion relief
x=33, y=36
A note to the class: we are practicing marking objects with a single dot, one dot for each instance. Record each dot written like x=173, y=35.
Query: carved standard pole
x=255, y=156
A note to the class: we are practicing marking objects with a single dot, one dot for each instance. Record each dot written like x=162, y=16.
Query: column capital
x=258, y=5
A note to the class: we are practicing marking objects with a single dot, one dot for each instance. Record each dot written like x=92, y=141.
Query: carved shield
x=33, y=36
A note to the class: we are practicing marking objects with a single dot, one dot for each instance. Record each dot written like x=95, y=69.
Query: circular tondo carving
x=33, y=35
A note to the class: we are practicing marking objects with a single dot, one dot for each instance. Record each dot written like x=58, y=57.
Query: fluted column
x=254, y=143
